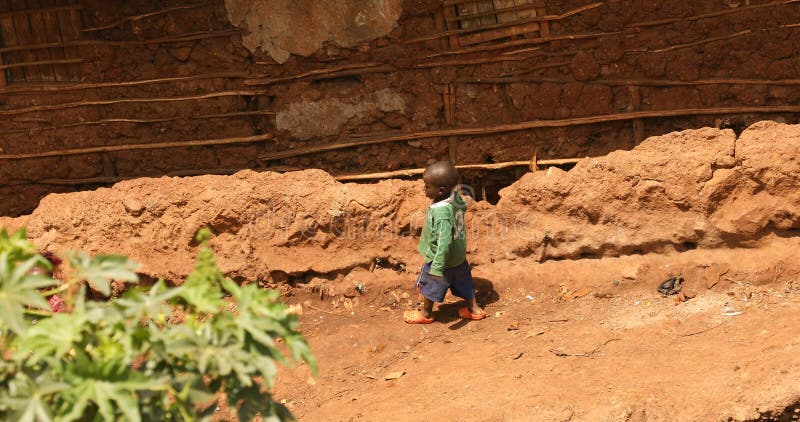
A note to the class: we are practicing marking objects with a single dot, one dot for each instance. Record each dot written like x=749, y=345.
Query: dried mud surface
x=566, y=265
x=694, y=189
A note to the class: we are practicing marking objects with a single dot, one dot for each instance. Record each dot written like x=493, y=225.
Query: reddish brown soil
x=619, y=353
x=566, y=265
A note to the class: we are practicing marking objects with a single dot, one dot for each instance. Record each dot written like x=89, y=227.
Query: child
x=443, y=245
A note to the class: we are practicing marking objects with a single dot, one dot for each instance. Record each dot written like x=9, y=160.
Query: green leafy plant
x=157, y=353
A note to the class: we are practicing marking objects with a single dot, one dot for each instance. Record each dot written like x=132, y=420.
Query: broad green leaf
x=16, y=245
x=52, y=337
x=151, y=305
x=101, y=270
x=18, y=291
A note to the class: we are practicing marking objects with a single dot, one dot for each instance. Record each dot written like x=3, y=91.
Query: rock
x=132, y=206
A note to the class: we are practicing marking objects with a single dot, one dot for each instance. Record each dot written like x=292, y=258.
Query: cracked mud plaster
x=285, y=27
x=308, y=119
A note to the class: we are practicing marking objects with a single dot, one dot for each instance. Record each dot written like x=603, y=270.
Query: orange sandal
x=466, y=314
x=415, y=317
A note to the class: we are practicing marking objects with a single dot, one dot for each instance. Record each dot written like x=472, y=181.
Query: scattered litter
x=529, y=297
x=517, y=356
x=513, y=327
x=294, y=310
x=534, y=334
x=730, y=311
x=637, y=303
x=394, y=375
x=361, y=288
x=671, y=286
x=498, y=314
x=577, y=294
x=592, y=353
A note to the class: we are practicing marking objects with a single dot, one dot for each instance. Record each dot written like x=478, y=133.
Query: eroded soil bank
x=566, y=264
x=701, y=188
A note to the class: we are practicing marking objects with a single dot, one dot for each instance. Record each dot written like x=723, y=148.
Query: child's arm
x=442, y=231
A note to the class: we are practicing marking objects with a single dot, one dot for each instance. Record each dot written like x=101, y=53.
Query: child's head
x=440, y=179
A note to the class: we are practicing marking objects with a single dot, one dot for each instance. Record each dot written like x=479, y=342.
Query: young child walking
x=444, y=245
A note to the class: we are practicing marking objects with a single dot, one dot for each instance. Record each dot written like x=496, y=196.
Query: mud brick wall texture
x=186, y=88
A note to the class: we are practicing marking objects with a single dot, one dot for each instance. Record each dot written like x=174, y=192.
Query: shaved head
x=442, y=175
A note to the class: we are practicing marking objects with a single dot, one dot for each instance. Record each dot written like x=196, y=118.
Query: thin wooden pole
x=634, y=103
x=3, y=81
x=533, y=41
x=162, y=145
x=467, y=62
x=126, y=100
x=143, y=16
x=341, y=178
x=545, y=26
x=693, y=44
x=77, y=43
x=40, y=63
x=637, y=82
x=58, y=88
x=296, y=152
x=709, y=15
x=418, y=171
x=311, y=73
x=138, y=121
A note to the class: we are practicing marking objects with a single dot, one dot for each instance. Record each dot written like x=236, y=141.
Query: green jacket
x=444, y=235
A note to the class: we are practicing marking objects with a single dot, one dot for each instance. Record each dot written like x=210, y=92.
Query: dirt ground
x=566, y=263
x=566, y=340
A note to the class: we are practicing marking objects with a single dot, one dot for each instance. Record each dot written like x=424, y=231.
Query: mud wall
x=693, y=64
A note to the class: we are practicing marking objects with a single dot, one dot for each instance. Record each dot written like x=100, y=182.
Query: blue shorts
x=457, y=279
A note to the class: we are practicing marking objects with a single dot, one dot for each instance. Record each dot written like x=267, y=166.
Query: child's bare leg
x=427, y=307
x=472, y=306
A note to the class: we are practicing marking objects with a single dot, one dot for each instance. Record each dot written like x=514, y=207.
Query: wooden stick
x=466, y=62
x=540, y=67
x=2, y=75
x=418, y=171
x=58, y=88
x=316, y=72
x=126, y=100
x=636, y=82
x=692, y=44
x=708, y=15
x=138, y=121
x=504, y=24
x=138, y=17
x=512, y=127
x=532, y=41
x=77, y=43
x=41, y=63
x=341, y=178
x=162, y=145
